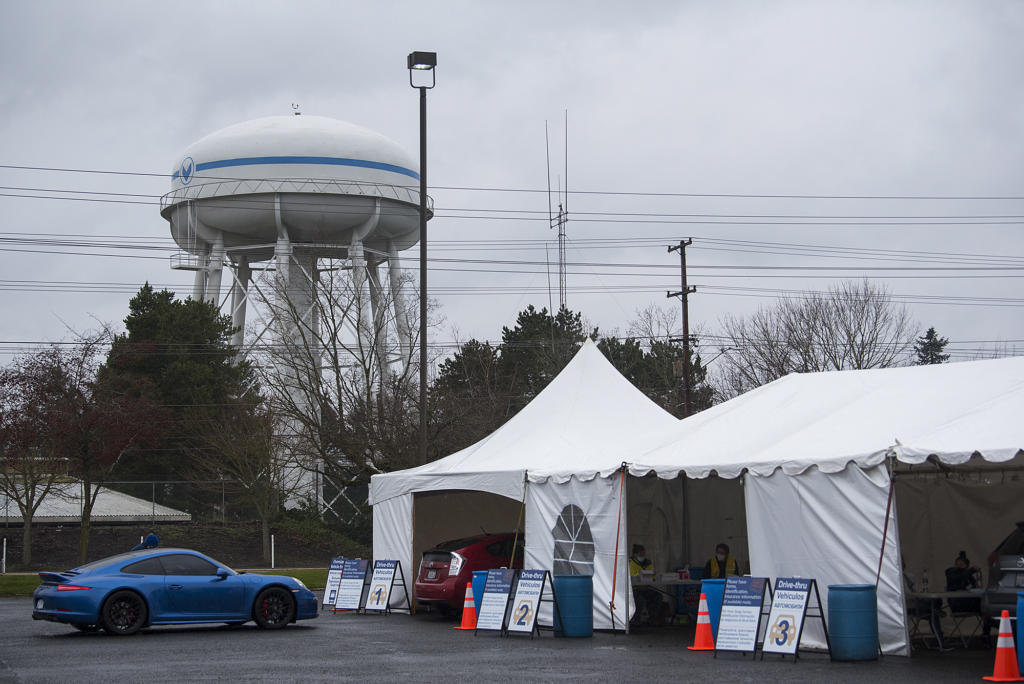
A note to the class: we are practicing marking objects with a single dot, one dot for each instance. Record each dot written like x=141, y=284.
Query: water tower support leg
x=398, y=302
x=378, y=306
x=215, y=268
x=199, y=282
x=283, y=248
x=239, y=299
x=364, y=326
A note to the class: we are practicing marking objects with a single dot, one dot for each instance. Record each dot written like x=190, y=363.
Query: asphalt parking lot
x=376, y=648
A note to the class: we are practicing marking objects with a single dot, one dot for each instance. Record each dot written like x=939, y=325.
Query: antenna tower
x=559, y=220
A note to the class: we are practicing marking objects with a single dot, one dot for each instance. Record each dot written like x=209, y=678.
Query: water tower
x=292, y=190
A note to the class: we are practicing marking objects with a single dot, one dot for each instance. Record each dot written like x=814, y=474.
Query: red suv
x=447, y=568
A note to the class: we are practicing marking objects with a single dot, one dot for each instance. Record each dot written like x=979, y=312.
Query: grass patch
x=314, y=578
x=24, y=585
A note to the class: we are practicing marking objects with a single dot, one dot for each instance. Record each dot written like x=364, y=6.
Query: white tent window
x=573, y=552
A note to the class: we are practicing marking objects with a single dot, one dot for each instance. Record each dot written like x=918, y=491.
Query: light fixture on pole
x=423, y=62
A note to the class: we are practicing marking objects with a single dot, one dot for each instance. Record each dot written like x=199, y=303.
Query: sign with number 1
x=381, y=581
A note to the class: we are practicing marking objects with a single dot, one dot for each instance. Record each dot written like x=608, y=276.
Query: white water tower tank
x=295, y=189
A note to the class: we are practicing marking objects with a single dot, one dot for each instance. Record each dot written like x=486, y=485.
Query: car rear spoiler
x=53, y=578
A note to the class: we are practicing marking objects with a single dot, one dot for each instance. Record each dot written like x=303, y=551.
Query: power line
x=537, y=214
x=575, y=192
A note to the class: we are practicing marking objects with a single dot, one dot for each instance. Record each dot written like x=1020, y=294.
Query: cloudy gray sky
x=752, y=127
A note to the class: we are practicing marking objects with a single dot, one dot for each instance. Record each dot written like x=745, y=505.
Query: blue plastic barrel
x=853, y=621
x=479, y=580
x=688, y=595
x=713, y=590
x=1020, y=632
x=574, y=595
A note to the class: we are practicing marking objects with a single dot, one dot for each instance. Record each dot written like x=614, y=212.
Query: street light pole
x=423, y=61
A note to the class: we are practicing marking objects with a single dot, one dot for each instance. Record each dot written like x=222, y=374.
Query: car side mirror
x=223, y=574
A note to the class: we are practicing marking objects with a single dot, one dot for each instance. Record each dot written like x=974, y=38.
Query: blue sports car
x=124, y=593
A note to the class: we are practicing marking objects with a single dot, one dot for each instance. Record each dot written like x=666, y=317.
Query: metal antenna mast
x=559, y=220
x=563, y=218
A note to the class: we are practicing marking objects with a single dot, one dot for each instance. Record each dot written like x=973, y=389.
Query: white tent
x=813, y=448
x=807, y=454
x=583, y=425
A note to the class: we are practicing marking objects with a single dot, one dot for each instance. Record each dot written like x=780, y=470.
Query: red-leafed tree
x=95, y=423
x=30, y=465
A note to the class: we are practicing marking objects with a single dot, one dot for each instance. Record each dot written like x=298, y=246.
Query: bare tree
x=68, y=422
x=99, y=421
x=241, y=448
x=338, y=369
x=852, y=325
x=655, y=322
x=658, y=330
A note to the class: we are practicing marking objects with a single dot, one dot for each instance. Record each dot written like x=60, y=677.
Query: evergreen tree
x=658, y=372
x=536, y=350
x=929, y=347
x=180, y=350
x=481, y=386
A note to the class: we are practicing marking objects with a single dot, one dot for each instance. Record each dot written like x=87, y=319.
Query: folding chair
x=920, y=630
x=964, y=620
x=919, y=623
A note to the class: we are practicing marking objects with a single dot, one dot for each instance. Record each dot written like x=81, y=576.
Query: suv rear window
x=501, y=549
x=1014, y=544
x=437, y=557
x=456, y=544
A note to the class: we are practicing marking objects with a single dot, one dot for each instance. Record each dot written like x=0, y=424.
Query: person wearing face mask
x=721, y=564
x=648, y=600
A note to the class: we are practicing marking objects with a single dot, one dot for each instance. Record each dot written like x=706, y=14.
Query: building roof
x=64, y=505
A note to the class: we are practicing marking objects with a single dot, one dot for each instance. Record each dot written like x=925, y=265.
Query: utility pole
x=683, y=296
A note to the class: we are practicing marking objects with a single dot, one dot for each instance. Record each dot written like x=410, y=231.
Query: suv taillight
x=455, y=564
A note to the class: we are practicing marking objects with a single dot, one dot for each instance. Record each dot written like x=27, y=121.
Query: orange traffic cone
x=468, y=611
x=703, y=640
x=1006, y=669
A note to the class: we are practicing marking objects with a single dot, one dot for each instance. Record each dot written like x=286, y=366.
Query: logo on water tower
x=186, y=170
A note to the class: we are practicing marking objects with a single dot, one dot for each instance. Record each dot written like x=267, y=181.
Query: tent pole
x=885, y=528
x=686, y=519
x=615, y=559
x=515, y=539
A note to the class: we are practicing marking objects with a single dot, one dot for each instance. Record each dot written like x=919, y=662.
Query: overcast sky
x=679, y=111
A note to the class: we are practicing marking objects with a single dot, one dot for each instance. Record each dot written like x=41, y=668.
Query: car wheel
x=87, y=628
x=274, y=608
x=123, y=613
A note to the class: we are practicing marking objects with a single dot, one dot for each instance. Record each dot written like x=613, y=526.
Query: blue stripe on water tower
x=329, y=161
